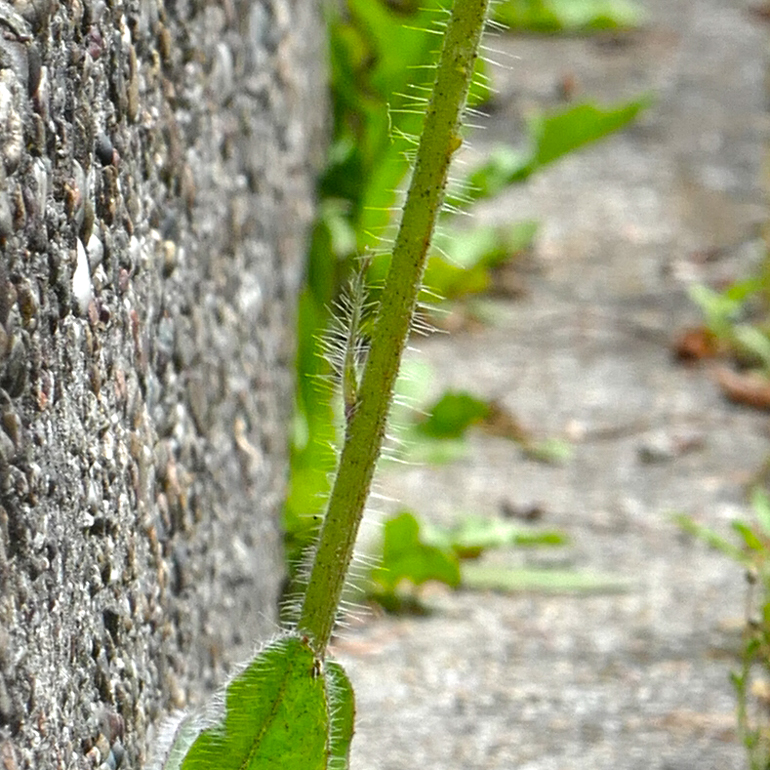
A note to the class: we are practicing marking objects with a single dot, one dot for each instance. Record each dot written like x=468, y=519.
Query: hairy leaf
x=287, y=709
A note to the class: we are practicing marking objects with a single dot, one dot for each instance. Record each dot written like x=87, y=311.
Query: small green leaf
x=424, y=450
x=754, y=342
x=552, y=136
x=475, y=534
x=283, y=711
x=719, y=309
x=558, y=134
x=742, y=290
x=504, y=166
x=710, y=537
x=406, y=556
x=539, y=537
x=748, y=536
x=453, y=414
x=333, y=215
x=467, y=257
x=487, y=245
x=594, y=15
x=446, y=280
x=738, y=679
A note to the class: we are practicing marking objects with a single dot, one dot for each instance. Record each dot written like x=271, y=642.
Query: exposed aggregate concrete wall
x=156, y=173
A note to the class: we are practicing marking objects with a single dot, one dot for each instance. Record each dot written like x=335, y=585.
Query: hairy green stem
x=366, y=428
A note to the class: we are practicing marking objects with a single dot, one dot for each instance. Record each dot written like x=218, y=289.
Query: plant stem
x=366, y=428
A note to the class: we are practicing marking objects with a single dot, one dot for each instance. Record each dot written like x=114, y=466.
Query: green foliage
x=750, y=548
x=435, y=432
x=406, y=556
x=736, y=318
x=368, y=399
x=728, y=316
x=550, y=136
x=710, y=537
x=473, y=535
x=287, y=709
x=375, y=53
x=382, y=66
x=568, y=15
x=464, y=260
x=453, y=414
x=551, y=451
x=415, y=553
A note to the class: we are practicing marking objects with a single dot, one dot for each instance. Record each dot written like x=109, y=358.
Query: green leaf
x=446, y=280
x=740, y=291
x=283, y=711
x=558, y=134
x=424, y=450
x=490, y=577
x=487, y=245
x=551, y=136
x=710, y=537
x=722, y=311
x=749, y=537
x=475, y=534
x=406, y=556
x=568, y=15
x=382, y=60
x=453, y=414
x=505, y=166
x=719, y=309
x=465, y=258
x=333, y=215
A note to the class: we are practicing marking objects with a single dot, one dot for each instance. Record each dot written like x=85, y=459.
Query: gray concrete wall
x=155, y=190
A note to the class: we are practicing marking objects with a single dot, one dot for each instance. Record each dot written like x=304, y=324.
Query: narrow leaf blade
x=495, y=578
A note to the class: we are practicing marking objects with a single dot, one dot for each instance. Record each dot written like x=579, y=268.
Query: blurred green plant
x=550, y=136
x=435, y=431
x=414, y=552
x=378, y=49
x=750, y=548
x=452, y=415
x=408, y=558
x=733, y=317
x=569, y=15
